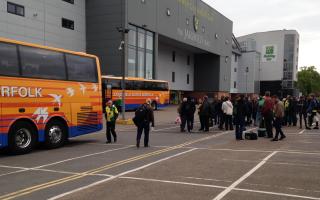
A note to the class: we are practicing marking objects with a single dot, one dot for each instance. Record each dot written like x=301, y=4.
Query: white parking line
x=119, y=175
x=207, y=179
x=84, y=156
x=38, y=168
x=277, y=194
x=46, y=170
x=173, y=182
x=222, y=187
x=15, y=172
x=163, y=129
x=173, y=127
x=12, y=167
x=241, y=179
x=301, y=132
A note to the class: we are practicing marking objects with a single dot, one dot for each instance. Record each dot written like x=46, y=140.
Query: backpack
x=140, y=115
x=115, y=115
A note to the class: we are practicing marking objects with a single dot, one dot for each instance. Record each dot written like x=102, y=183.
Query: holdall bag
x=262, y=132
x=251, y=136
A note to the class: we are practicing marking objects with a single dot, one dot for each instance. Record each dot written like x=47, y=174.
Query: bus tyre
x=55, y=134
x=22, y=138
x=154, y=105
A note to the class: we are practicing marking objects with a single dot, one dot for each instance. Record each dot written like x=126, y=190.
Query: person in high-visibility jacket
x=111, y=118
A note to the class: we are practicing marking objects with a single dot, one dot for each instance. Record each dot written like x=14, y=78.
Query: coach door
x=106, y=94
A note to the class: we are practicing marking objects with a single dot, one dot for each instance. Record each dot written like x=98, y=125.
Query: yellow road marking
x=93, y=171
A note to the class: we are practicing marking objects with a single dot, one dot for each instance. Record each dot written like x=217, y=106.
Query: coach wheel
x=56, y=134
x=22, y=138
x=154, y=105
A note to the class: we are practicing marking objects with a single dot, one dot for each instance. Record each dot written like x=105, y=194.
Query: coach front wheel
x=22, y=138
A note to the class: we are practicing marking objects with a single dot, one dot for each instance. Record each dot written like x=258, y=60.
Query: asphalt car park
x=177, y=166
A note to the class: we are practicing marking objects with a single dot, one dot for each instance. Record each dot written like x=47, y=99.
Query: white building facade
x=279, y=53
x=55, y=23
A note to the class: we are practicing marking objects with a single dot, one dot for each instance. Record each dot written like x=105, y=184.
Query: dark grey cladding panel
x=143, y=13
x=206, y=72
x=102, y=18
x=153, y=14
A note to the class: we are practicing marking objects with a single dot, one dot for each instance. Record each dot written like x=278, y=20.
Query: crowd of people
x=264, y=111
x=240, y=112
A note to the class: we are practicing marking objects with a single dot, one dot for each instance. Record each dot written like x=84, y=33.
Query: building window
x=235, y=69
x=67, y=23
x=69, y=1
x=140, y=53
x=236, y=58
x=234, y=84
x=15, y=9
x=188, y=79
x=188, y=60
x=173, y=56
x=173, y=78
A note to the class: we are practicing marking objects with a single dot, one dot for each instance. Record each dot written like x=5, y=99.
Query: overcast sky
x=251, y=16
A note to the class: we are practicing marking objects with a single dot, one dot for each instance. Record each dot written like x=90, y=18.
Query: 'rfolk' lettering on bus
x=24, y=92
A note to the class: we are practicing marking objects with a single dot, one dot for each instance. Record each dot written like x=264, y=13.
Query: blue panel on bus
x=135, y=106
x=41, y=136
x=132, y=106
x=3, y=140
x=82, y=130
x=162, y=106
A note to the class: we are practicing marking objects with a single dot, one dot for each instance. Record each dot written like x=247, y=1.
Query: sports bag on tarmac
x=251, y=136
x=262, y=132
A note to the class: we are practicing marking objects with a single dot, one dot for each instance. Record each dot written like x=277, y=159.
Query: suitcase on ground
x=262, y=132
x=251, y=136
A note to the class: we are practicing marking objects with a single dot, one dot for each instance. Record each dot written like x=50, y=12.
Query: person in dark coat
x=255, y=106
x=239, y=116
x=213, y=111
x=204, y=113
x=302, y=107
x=248, y=104
x=183, y=113
x=220, y=112
x=190, y=113
x=148, y=119
x=186, y=112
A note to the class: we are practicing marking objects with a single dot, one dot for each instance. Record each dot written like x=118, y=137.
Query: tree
x=308, y=80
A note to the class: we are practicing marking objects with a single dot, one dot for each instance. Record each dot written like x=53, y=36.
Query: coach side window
x=9, y=64
x=41, y=63
x=81, y=68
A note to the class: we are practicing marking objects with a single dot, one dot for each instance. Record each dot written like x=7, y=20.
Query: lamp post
x=123, y=32
x=247, y=70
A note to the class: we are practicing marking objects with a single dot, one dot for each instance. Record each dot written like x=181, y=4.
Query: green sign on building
x=270, y=53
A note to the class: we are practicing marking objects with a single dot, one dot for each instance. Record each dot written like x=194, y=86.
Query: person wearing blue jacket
x=312, y=110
